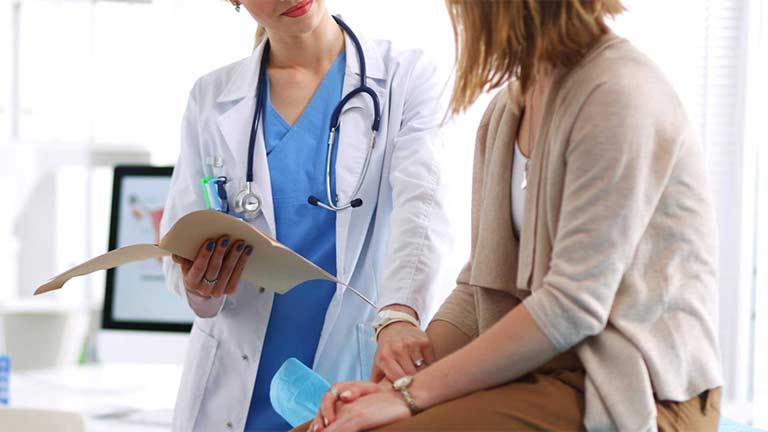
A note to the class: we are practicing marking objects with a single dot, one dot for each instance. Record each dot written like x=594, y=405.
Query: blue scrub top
x=296, y=157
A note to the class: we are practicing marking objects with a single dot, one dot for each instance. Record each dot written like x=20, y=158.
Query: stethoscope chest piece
x=248, y=203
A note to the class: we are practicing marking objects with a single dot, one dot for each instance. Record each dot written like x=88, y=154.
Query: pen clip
x=221, y=191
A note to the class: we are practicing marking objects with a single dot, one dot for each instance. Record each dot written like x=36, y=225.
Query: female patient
x=589, y=295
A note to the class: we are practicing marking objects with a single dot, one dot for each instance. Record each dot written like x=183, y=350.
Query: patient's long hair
x=500, y=40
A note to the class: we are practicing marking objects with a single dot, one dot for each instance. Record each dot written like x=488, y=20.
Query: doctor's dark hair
x=501, y=40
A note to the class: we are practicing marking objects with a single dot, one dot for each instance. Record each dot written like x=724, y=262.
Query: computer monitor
x=138, y=307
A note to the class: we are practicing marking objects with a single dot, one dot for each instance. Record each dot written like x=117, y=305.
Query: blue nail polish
x=249, y=251
x=224, y=242
x=240, y=247
x=209, y=246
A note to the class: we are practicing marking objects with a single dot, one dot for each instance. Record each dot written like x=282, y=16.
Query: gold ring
x=335, y=393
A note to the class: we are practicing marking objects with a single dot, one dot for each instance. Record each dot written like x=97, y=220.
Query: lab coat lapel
x=235, y=125
x=354, y=140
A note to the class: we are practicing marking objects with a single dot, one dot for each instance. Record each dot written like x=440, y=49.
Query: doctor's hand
x=403, y=349
x=216, y=269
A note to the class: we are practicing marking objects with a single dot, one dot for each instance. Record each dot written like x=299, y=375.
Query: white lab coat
x=390, y=248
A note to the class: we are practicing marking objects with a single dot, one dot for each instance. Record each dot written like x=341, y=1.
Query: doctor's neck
x=316, y=49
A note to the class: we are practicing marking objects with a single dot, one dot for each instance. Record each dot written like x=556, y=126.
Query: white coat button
x=229, y=425
x=262, y=289
x=244, y=357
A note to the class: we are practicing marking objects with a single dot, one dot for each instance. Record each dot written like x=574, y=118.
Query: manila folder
x=271, y=265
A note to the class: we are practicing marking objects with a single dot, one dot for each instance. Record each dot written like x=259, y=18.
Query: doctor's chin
x=345, y=216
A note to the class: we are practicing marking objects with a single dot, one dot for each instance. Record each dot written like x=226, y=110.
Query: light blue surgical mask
x=295, y=392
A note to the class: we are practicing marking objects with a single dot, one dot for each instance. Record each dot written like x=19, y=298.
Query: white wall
x=756, y=134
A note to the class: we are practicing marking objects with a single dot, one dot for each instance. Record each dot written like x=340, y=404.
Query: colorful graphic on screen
x=140, y=293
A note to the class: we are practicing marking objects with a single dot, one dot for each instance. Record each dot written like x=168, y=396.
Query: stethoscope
x=247, y=202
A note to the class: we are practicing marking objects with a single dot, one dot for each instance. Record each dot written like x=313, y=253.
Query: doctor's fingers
x=395, y=356
x=238, y=270
x=217, y=258
x=195, y=273
x=422, y=353
x=429, y=353
x=184, y=263
x=406, y=361
x=376, y=373
x=227, y=267
x=389, y=364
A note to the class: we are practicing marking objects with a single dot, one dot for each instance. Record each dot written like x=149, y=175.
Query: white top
x=518, y=193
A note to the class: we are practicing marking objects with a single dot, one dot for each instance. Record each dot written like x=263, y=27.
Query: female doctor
x=327, y=143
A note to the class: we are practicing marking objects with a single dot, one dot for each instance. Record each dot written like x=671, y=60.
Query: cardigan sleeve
x=619, y=158
x=459, y=308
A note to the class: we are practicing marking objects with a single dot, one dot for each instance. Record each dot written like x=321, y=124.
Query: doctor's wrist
x=196, y=295
x=394, y=314
x=401, y=308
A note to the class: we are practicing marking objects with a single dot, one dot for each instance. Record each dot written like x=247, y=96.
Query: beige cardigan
x=617, y=253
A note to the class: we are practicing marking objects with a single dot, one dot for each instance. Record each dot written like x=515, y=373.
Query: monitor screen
x=136, y=297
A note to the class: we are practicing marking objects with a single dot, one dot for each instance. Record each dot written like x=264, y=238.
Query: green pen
x=204, y=183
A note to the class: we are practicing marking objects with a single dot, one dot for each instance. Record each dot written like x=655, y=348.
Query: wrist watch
x=387, y=317
x=402, y=385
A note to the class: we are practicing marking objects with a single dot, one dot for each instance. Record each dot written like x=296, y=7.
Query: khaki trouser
x=551, y=398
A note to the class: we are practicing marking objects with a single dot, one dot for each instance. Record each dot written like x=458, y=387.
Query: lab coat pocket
x=235, y=184
x=199, y=360
x=366, y=349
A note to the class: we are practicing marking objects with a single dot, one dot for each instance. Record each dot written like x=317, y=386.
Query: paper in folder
x=272, y=265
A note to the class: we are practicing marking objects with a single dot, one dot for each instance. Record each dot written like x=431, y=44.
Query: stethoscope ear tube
x=336, y=116
x=261, y=98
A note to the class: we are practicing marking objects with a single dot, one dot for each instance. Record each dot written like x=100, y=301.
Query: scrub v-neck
x=296, y=158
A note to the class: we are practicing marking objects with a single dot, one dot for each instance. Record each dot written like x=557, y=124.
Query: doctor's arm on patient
x=419, y=231
x=445, y=338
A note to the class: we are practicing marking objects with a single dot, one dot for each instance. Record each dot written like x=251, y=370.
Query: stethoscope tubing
x=334, y=127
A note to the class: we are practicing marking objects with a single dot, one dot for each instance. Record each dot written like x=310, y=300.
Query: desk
x=111, y=397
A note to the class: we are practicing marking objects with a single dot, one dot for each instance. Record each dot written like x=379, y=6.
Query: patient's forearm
x=511, y=348
x=446, y=338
